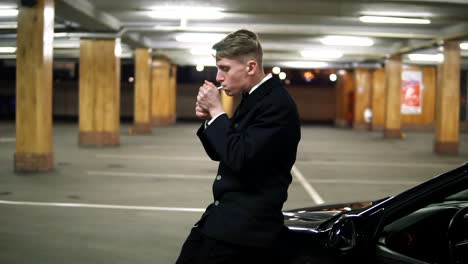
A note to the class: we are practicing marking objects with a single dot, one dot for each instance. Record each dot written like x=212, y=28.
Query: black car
x=425, y=224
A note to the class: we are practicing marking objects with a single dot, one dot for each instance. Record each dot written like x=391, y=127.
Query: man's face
x=233, y=76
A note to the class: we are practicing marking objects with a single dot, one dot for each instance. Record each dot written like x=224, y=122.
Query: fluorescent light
x=305, y=64
x=426, y=57
x=200, y=37
x=205, y=62
x=322, y=54
x=66, y=45
x=179, y=12
x=464, y=45
x=202, y=51
x=8, y=25
x=346, y=41
x=393, y=20
x=8, y=12
x=7, y=49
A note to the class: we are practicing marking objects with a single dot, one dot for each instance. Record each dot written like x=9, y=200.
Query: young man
x=256, y=150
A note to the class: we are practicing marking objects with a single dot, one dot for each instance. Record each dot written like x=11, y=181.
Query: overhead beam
x=293, y=29
x=85, y=14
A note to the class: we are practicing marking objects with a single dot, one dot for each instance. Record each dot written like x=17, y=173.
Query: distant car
x=425, y=224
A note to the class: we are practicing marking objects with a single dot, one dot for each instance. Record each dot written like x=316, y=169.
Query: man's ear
x=251, y=67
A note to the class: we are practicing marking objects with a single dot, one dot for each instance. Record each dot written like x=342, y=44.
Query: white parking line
x=150, y=175
x=150, y=157
x=104, y=206
x=376, y=182
x=396, y=164
x=309, y=189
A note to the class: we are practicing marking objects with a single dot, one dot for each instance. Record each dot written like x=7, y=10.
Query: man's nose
x=219, y=77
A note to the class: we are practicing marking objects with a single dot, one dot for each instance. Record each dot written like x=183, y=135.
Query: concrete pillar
x=160, y=92
x=142, y=113
x=392, y=126
x=362, y=98
x=34, y=87
x=173, y=94
x=378, y=99
x=345, y=90
x=99, y=96
x=448, y=102
x=228, y=103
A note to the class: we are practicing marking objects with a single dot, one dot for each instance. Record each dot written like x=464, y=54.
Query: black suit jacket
x=256, y=150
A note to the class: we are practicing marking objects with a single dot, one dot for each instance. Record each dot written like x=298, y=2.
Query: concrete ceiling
x=285, y=27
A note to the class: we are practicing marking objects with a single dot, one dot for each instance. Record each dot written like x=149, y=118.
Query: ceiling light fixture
x=393, y=20
x=464, y=45
x=184, y=12
x=202, y=51
x=8, y=12
x=426, y=57
x=322, y=54
x=7, y=49
x=200, y=37
x=347, y=41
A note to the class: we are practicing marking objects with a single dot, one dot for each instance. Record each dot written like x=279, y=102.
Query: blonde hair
x=241, y=44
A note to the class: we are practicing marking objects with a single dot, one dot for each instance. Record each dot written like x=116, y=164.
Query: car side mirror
x=342, y=235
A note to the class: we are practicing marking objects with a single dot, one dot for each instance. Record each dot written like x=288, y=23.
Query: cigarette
x=219, y=87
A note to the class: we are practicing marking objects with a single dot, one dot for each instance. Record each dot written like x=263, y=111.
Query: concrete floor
x=136, y=203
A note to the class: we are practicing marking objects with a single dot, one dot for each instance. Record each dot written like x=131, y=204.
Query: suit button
x=216, y=203
x=218, y=177
x=236, y=125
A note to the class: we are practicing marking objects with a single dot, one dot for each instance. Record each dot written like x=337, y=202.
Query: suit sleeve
x=210, y=151
x=255, y=143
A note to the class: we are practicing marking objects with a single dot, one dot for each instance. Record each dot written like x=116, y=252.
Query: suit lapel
x=249, y=102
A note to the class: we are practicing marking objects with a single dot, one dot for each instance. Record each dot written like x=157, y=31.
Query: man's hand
x=208, y=101
x=201, y=113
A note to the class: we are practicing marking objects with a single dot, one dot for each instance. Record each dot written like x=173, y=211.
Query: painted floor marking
x=104, y=206
x=309, y=189
x=151, y=175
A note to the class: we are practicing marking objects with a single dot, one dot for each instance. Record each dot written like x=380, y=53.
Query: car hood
x=312, y=217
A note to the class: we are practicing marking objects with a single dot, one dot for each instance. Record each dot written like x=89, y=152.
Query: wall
x=314, y=103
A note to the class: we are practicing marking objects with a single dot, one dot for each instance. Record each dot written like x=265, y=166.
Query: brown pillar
x=346, y=87
x=392, y=127
x=362, y=98
x=34, y=87
x=142, y=115
x=448, y=102
x=160, y=87
x=228, y=103
x=378, y=99
x=99, y=93
x=173, y=94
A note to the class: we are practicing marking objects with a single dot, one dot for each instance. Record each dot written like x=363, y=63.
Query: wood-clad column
x=448, y=102
x=378, y=99
x=173, y=94
x=34, y=87
x=160, y=92
x=228, y=103
x=392, y=127
x=142, y=114
x=346, y=87
x=362, y=98
x=99, y=93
